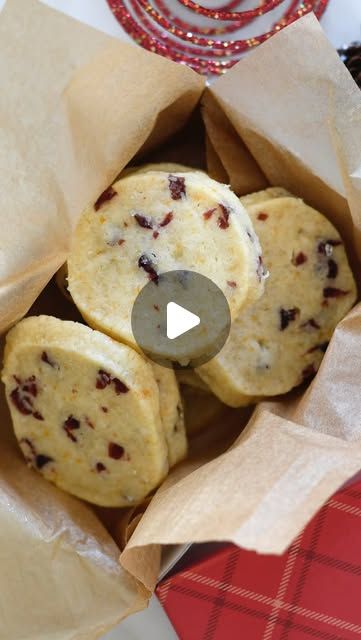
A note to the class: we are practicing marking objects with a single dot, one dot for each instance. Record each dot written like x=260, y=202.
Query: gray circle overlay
x=197, y=294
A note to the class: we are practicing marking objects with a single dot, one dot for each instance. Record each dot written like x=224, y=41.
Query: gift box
x=311, y=591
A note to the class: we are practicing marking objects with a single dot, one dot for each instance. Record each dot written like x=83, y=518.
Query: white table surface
x=342, y=23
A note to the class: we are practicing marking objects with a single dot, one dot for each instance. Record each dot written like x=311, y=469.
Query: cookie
x=85, y=411
x=279, y=342
x=150, y=223
x=263, y=196
x=171, y=413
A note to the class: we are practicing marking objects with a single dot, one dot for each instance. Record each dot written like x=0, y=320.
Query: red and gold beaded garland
x=156, y=27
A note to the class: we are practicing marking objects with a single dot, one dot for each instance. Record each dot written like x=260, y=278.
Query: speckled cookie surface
x=263, y=196
x=172, y=414
x=85, y=411
x=150, y=223
x=279, y=342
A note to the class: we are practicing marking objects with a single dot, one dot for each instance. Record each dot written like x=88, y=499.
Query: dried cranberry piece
x=167, y=219
x=22, y=402
x=299, y=259
x=41, y=460
x=223, y=219
x=143, y=221
x=100, y=467
x=326, y=246
x=115, y=451
x=309, y=371
x=287, y=316
x=30, y=386
x=70, y=425
x=232, y=284
x=208, y=214
x=22, y=397
x=262, y=216
x=119, y=386
x=89, y=422
x=319, y=347
x=146, y=263
x=177, y=187
x=332, y=292
x=107, y=195
x=311, y=323
x=332, y=269
x=156, y=235
x=103, y=379
x=45, y=358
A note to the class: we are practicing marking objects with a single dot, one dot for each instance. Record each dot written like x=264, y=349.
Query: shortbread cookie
x=263, y=196
x=150, y=223
x=279, y=342
x=171, y=413
x=85, y=411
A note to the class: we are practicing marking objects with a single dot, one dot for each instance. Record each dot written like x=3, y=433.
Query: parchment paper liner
x=76, y=106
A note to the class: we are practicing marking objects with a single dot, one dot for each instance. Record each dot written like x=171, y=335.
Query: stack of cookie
x=90, y=412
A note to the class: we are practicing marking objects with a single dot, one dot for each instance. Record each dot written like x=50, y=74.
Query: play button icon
x=179, y=320
x=182, y=319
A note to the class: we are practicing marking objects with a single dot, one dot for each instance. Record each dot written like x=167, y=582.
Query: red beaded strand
x=156, y=28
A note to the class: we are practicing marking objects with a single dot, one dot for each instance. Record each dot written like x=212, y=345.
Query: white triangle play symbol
x=179, y=320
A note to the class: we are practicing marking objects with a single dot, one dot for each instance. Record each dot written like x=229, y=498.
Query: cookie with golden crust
x=85, y=411
x=150, y=223
x=279, y=342
x=171, y=413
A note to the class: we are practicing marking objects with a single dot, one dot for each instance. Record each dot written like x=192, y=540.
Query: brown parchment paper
x=75, y=107
x=289, y=114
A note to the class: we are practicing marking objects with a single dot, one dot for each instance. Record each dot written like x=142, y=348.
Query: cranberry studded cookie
x=171, y=413
x=150, y=223
x=85, y=411
x=279, y=342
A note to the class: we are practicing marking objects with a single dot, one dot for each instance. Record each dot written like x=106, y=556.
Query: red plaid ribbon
x=311, y=591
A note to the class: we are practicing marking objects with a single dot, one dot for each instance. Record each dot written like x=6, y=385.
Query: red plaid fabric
x=312, y=591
